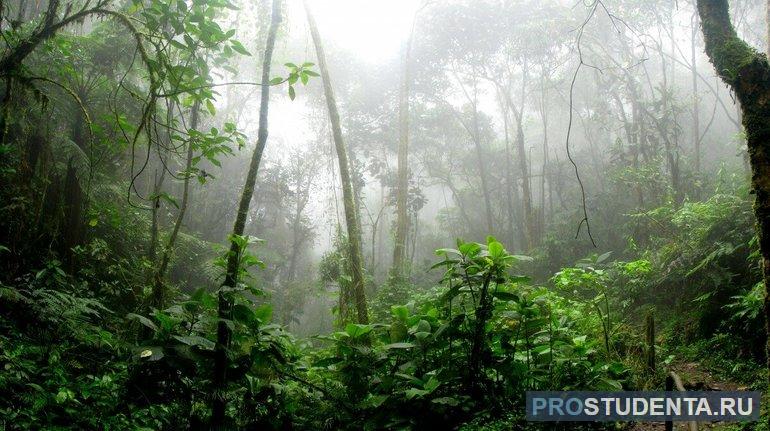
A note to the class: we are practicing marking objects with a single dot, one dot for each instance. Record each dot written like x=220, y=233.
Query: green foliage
x=419, y=370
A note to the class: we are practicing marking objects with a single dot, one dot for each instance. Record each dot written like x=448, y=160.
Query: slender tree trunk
x=748, y=74
x=221, y=363
x=159, y=290
x=349, y=201
x=526, y=188
x=509, y=186
x=523, y=169
x=157, y=183
x=482, y=166
x=458, y=201
x=402, y=218
x=415, y=233
x=544, y=170
x=297, y=240
x=695, y=97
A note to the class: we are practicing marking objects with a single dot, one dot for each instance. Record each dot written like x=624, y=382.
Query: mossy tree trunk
x=351, y=217
x=747, y=72
x=221, y=362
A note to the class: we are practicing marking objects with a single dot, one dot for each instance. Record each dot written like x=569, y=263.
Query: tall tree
x=349, y=201
x=747, y=72
x=695, y=97
x=402, y=190
x=224, y=335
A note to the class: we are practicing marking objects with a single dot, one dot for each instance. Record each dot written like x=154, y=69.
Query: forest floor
x=696, y=377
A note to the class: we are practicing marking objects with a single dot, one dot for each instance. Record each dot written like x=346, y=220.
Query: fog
x=635, y=99
x=370, y=214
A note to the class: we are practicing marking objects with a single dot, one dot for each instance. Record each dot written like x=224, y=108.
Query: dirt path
x=694, y=377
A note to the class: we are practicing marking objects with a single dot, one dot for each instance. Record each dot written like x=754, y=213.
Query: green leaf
x=238, y=47
x=292, y=95
x=355, y=330
x=398, y=346
x=196, y=341
x=519, y=279
x=143, y=320
x=496, y=250
x=276, y=80
x=603, y=257
x=151, y=353
x=414, y=392
x=210, y=106
x=449, y=401
x=505, y=296
x=189, y=41
x=243, y=313
x=400, y=311
x=166, y=197
x=264, y=313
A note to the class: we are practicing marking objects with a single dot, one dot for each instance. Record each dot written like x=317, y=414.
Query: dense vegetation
x=137, y=175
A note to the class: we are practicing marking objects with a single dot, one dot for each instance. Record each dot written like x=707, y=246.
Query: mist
x=250, y=198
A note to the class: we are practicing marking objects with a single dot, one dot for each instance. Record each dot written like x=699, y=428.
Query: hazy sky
x=371, y=29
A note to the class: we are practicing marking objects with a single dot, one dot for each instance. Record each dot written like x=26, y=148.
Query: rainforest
x=379, y=214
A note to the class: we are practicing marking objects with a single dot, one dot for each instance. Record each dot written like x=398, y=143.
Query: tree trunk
x=695, y=100
x=402, y=220
x=511, y=195
x=544, y=169
x=349, y=201
x=219, y=403
x=159, y=289
x=157, y=183
x=526, y=188
x=748, y=74
x=523, y=169
x=482, y=170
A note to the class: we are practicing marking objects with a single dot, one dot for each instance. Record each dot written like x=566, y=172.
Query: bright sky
x=371, y=29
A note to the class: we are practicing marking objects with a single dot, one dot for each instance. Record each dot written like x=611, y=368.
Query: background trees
x=134, y=135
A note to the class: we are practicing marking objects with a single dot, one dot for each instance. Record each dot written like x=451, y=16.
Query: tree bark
x=510, y=194
x=219, y=403
x=482, y=169
x=349, y=201
x=747, y=72
x=526, y=188
x=695, y=99
x=544, y=169
x=157, y=183
x=523, y=169
x=402, y=220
